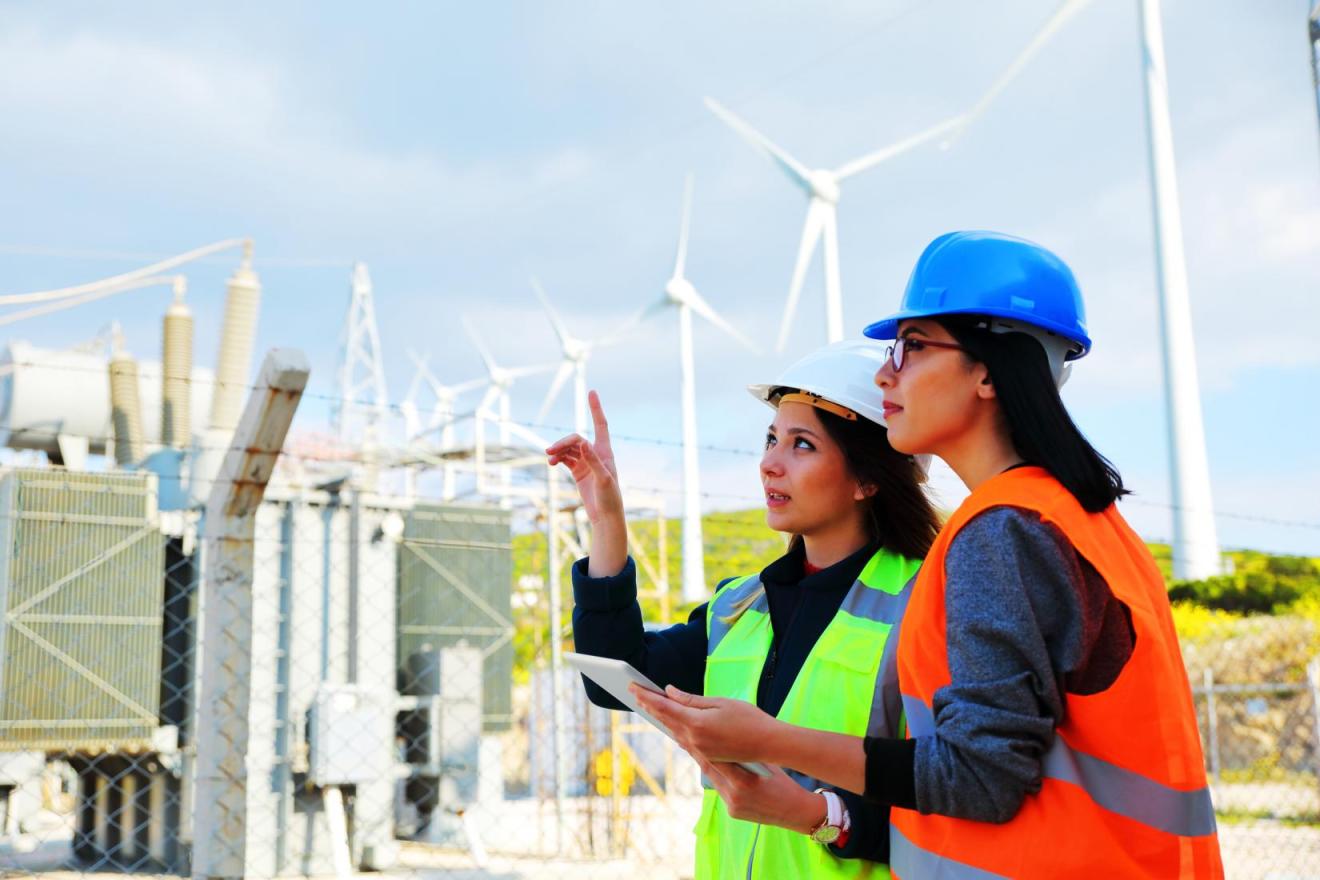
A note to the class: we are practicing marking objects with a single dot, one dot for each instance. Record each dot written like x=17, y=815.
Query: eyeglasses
x=897, y=353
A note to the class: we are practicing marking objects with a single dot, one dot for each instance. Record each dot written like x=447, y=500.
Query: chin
x=905, y=445
x=777, y=521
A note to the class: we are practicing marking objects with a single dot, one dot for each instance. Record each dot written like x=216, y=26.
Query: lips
x=891, y=408
x=775, y=498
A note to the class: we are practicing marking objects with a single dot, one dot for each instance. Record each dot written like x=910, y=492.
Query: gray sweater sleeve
x=1015, y=605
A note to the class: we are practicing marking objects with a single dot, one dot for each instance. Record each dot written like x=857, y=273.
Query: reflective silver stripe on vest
x=886, y=702
x=722, y=606
x=1121, y=791
x=911, y=862
x=1185, y=813
x=920, y=721
x=869, y=603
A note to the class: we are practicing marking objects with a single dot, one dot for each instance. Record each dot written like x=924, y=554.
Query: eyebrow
x=791, y=431
x=912, y=330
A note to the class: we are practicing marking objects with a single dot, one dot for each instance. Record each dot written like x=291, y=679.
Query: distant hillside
x=738, y=542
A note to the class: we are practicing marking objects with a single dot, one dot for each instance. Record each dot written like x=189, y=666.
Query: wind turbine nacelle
x=825, y=186
x=680, y=291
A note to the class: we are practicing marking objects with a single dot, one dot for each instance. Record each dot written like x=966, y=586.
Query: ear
x=985, y=388
x=863, y=491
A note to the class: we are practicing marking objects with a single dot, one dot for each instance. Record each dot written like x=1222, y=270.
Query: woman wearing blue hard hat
x=1050, y=724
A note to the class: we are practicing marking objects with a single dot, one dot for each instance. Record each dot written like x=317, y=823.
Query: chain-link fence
x=405, y=711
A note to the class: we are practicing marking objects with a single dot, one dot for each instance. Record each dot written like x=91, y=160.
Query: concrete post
x=220, y=812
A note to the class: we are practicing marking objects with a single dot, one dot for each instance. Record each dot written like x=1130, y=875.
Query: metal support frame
x=220, y=830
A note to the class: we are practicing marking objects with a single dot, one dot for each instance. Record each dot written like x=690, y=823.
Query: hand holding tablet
x=615, y=676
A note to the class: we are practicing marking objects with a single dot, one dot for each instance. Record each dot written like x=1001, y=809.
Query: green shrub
x=1260, y=584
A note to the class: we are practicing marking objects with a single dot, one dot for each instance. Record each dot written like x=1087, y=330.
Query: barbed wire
x=359, y=458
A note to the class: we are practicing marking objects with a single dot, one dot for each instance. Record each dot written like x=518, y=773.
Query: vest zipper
x=751, y=856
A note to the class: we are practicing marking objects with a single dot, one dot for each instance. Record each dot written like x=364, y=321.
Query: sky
x=459, y=149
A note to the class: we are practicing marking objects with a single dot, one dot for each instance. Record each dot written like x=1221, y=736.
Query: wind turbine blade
x=857, y=166
x=641, y=317
x=486, y=359
x=565, y=370
x=792, y=167
x=702, y=308
x=536, y=370
x=1066, y=10
x=465, y=387
x=560, y=330
x=810, y=235
x=617, y=334
x=680, y=260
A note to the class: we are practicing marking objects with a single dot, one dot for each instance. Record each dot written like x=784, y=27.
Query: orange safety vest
x=1123, y=790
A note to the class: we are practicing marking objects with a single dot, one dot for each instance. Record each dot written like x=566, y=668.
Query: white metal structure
x=681, y=295
x=822, y=185
x=1195, y=543
x=495, y=406
x=439, y=416
x=360, y=409
x=575, y=351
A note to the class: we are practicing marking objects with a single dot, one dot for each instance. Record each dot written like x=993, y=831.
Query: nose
x=885, y=376
x=771, y=466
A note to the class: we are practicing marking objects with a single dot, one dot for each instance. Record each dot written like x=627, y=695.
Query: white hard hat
x=842, y=373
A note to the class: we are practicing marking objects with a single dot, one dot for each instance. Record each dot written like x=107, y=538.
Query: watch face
x=826, y=834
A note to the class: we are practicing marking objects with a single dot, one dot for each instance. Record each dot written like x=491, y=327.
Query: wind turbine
x=501, y=379
x=575, y=352
x=679, y=294
x=823, y=185
x=440, y=416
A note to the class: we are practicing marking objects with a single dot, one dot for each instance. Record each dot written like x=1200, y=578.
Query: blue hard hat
x=989, y=273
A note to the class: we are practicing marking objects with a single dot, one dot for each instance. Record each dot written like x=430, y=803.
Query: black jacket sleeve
x=869, y=836
x=607, y=622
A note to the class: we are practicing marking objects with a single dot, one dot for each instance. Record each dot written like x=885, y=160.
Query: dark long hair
x=899, y=515
x=1039, y=426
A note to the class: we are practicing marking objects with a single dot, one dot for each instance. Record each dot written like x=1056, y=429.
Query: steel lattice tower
x=362, y=396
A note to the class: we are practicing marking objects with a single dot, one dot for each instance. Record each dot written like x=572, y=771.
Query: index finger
x=602, y=427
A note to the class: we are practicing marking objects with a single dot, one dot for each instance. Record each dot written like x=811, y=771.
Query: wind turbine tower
x=1195, y=544
x=681, y=295
x=362, y=397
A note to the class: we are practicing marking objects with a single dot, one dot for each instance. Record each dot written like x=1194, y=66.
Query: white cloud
x=229, y=129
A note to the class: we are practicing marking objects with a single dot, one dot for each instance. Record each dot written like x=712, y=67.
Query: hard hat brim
x=887, y=328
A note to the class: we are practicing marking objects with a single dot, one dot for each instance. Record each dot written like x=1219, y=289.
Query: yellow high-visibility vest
x=848, y=684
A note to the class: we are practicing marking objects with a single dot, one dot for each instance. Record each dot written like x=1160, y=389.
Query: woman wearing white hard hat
x=1051, y=731
x=811, y=639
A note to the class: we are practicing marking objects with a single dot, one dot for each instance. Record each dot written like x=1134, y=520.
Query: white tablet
x=615, y=676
